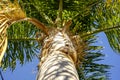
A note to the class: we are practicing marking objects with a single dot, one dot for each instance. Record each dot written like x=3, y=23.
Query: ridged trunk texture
x=58, y=59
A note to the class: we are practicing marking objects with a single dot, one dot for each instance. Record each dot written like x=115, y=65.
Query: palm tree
x=63, y=45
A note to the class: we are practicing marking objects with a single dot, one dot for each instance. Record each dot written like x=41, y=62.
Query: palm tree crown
x=81, y=20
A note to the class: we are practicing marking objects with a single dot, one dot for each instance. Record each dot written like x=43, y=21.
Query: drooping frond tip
x=9, y=14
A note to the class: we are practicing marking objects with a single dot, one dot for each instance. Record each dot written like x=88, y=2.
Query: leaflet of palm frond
x=3, y=35
x=3, y=41
x=114, y=40
x=3, y=46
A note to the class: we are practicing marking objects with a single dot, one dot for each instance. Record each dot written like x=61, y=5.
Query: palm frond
x=103, y=17
x=11, y=13
x=107, y=19
x=90, y=69
x=8, y=15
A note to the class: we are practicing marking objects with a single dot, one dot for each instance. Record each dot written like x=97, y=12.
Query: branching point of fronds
x=67, y=25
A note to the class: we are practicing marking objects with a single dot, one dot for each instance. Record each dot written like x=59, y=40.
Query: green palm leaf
x=107, y=20
x=8, y=15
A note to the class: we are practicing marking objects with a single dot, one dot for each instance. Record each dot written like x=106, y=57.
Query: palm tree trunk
x=58, y=59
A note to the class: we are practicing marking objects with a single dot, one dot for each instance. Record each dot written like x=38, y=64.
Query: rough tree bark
x=58, y=59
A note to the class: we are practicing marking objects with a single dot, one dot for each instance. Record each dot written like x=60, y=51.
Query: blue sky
x=29, y=70
x=110, y=58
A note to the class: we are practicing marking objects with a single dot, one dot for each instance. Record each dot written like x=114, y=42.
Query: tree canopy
x=88, y=18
